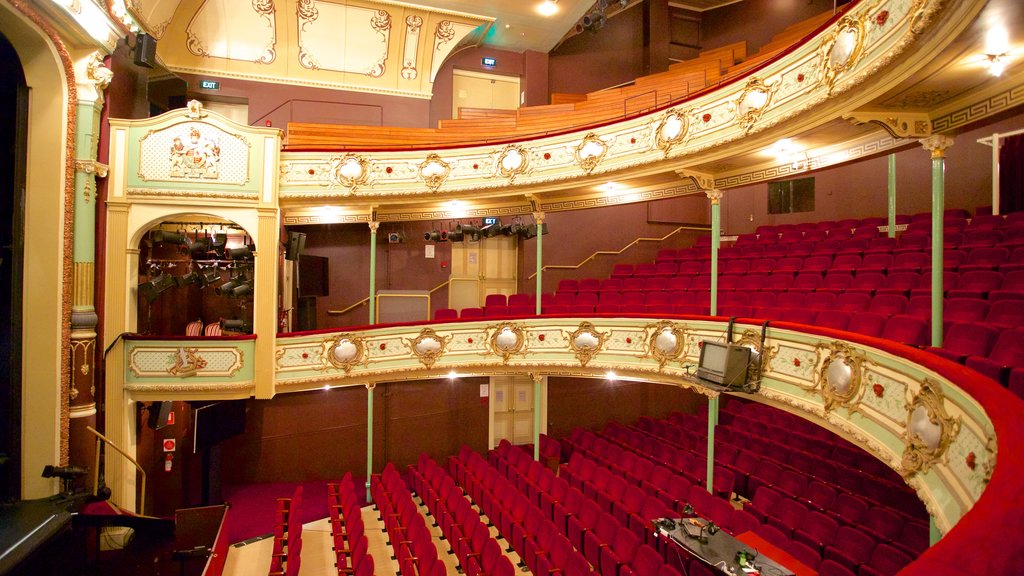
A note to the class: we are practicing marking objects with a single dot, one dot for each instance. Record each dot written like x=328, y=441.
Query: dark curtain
x=1011, y=175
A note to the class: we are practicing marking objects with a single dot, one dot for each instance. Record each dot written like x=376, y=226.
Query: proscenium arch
x=44, y=374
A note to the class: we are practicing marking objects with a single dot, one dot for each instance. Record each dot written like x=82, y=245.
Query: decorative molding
x=840, y=51
x=344, y=351
x=897, y=123
x=929, y=430
x=666, y=342
x=428, y=346
x=975, y=111
x=433, y=172
x=937, y=145
x=91, y=167
x=184, y=361
x=586, y=342
x=840, y=375
x=506, y=339
x=589, y=152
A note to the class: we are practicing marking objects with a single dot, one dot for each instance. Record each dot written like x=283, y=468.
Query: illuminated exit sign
x=209, y=85
x=487, y=61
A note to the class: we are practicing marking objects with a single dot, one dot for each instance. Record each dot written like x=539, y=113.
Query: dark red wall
x=611, y=56
x=755, y=21
x=860, y=189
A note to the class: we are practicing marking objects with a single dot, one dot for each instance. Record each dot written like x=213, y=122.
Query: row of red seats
x=287, y=548
x=348, y=536
x=467, y=535
x=406, y=528
x=719, y=510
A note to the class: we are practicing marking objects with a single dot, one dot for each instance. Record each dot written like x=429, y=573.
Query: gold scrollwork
x=513, y=160
x=343, y=351
x=841, y=50
x=673, y=128
x=760, y=356
x=586, y=342
x=840, y=375
x=930, y=430
x=434, y=171
x=428, y=346
x=590, y=151
x=666, y=342
x=506, y=340
x=753, y=101
x=350, y=171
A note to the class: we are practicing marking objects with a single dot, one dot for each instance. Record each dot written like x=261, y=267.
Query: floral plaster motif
x=892, y=401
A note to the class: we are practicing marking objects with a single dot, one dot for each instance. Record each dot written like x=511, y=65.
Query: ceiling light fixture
x=996, y=63
x=548, y=8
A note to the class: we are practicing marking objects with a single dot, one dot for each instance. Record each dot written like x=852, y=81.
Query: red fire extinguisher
x=168, y=462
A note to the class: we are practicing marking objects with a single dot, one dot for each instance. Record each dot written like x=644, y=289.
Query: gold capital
x=714, y=195
x=539, y=217
x=937, y=144
x=373, y=227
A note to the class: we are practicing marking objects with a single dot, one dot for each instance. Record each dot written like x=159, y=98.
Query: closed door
x=482, y=90
x=482, y=268
x=511, y=409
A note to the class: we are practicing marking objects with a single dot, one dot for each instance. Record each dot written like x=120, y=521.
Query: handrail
x=617, y=252
x=291, y=100
x=100, y=438
x=367, y=299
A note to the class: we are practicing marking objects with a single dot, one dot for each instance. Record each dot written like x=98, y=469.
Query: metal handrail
x=367, y=300
x=619, y=251
x=100, y=438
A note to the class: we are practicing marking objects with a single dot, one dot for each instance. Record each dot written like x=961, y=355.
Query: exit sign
x=209, y=85
x=488, y=61
x=490, y=220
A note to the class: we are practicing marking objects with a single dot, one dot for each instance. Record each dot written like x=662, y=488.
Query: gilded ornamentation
x=586, y=342
x=187, y=362
x=759, y=358
x=97, y=73
x=753, y=101
x=929, y=430
x=513, y=160
x=195, y=110
x=840, y=375
x=841, y=50
x=428, y=346
x=350, y=171
x=666, y=342
x=444, y=33
x=673, y=128
x=343, y=351
x=590, y=151
x=413, y=23
x=434, y=171
x=506, y=340
x=91, y=167
x=307, y=13
x=197, y=158
x=937, y=145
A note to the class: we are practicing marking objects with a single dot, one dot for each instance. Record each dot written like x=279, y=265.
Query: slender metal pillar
x=369, y=439
x=996, y=199
x=937, y=146
x=373, y=273
x=716, y=231
x=892, y=195
x=538, y=218
x=537, y=379
x=712, y=422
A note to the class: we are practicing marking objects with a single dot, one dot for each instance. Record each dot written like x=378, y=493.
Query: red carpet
x=252, y=506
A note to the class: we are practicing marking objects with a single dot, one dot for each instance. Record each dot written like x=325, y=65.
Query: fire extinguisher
x=168, y=462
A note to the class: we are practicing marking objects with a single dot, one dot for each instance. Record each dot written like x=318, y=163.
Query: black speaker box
x=296, y=244
x=145, y=50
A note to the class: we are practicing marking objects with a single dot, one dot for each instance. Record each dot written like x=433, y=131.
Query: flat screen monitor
x=723, y=364
x=216, y=422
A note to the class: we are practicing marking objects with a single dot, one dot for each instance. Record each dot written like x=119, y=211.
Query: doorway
x=481, y=90
x=512, y=409
x=13, y=154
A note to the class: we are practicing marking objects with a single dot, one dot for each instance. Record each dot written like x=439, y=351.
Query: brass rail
x=619, y=251
x=100, y=438
x=367, y=300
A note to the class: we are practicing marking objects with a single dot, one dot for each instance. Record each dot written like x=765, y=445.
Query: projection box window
x=791, y=196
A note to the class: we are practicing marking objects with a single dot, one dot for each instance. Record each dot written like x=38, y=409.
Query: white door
x=482, y=90
x=511, y=409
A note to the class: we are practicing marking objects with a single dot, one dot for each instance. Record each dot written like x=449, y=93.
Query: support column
x=373, y=281
x=996, y=199
x=934, y=535
x=538, y=218
x=716, y=233
x=937, y=145
x=892, y=195
x=712, y=422
x=369, y=435
x=537, y=380
x=92, y=79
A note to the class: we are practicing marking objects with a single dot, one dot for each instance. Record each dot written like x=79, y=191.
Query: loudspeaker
x=296, y=244
x=145, y=50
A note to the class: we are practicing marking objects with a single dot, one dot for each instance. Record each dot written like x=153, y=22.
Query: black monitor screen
x=218, y=421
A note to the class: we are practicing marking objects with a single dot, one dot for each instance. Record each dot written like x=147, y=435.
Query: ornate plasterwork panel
x=243, y=30
x=343, y=38
x=446, y=37
x=165, y=362
x=194, y=151
x=153, y=15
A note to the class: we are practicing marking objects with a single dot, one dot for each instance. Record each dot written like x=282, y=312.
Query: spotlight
x=436, y=236
x=220, y=240
x=492, y=230
x=235, y=325
x=243, y=253
x=456, y=235
x=243, y=289
x=161, y=237
x=228, y=288
x=187, y=279
x=468, y=231
x=199, y=249
x=527, y=232
x=151, y=290
x=209, y=276
x=396, y=237
x=63, y=472
x=593, y=22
